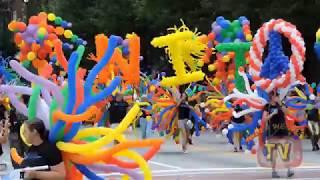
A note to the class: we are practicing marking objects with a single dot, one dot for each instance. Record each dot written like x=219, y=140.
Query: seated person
x=41, y=153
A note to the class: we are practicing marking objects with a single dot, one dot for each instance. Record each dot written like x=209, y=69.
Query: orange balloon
x=59, y=31
x=52, y=37
x=34, y=20
x=107, y=155
x=18, y=38
x=15, y=156
x=60, y=55
x=89, y=113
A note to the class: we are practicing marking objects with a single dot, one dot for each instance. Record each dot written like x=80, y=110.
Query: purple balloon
x=217, y=29
x=46, y=95
x=38, y=80
x=246, y=22
x=113, y=168
x=31, y=29
x=29, y=40
x=22, y=108
x=141, y=58
x=163, y=73
x=125, y=43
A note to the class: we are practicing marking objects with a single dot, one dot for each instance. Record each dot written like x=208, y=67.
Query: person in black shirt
x=313, y=125
x=274, y=115
x=41, y=153
x=237, y=135
x=183, y=118
x=118, y=110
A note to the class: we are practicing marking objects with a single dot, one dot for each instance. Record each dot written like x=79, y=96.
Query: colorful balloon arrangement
x=62, y=109
x=39, y=40
x=276, y=73
x=183, y=47
x=231, y=40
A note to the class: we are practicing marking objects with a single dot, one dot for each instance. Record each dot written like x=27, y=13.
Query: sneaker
x=290, y=173
x=241, y=149
x=235, y=149
x=184, y=150
x=275, y=175
x=190, y=141
x=317, y=147
x=314, y=148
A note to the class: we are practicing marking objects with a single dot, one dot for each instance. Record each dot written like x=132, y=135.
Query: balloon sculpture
x=277, y=72
x=38, y=40
x=63, y=109
x=125, y=61
x=231, y=41
x=182, y=46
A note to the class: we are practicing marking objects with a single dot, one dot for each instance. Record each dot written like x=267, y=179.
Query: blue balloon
x=53, y=135
x=102, y=121
x=64, y=24
x=161, y=115
x=317, y=49
x=90, y=100
x=89, y=174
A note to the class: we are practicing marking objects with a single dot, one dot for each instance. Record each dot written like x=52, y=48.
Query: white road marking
x=212, y=171
x=164, y=165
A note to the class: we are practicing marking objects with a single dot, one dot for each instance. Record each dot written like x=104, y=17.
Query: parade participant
x=42, y=152
x=5, y=160
x=313, y=125
x=145, y=120
x=237, y=135
x=183, y=118
x=274, y=116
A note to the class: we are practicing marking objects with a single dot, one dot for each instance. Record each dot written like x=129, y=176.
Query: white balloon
x=225, y=132
x=202, y=105
x=259, y=122
x=206, y=110
x=230, y=126
x=43, y=112
x=312, y=97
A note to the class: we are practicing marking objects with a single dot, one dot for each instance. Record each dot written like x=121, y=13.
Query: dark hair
x=39, y=126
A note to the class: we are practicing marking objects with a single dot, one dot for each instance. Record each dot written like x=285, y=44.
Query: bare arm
x=57, y=173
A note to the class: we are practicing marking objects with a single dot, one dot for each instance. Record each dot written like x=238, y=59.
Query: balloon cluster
x=64, y=107
x=37, y=40
x=225, y=32
x=125, y=62
x=317, y=44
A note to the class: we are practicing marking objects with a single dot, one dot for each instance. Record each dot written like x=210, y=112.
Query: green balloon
x=74, y=38
x=80, y=51
x=33, y=101
x=58, y=20
x=26, y=63
x=240, y=50
x=90, y=139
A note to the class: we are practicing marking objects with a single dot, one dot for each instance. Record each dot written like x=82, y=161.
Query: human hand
x=30, y=174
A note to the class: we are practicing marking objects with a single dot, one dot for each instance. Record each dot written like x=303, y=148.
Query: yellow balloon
x=248, y=37
x=216, y=81
x=42, y=31
x=226, y=58
x=22, y=136
x=318, y=34
x=211, y=67
x=51, y=17
x=110, y=135
x=140, y=160
x=68, y=34
x=31, y=56
x=200, y=63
